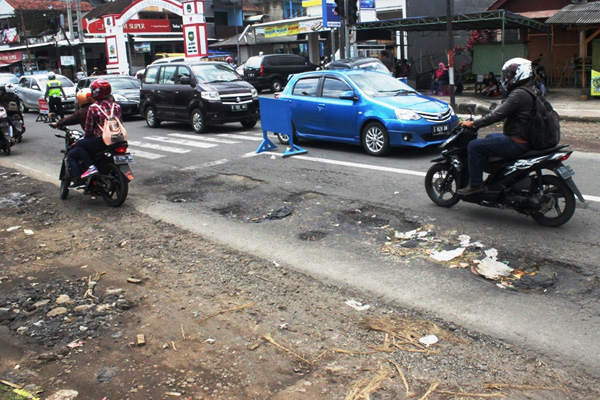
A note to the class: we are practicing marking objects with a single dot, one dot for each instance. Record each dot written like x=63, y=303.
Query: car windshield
x=66, y=82
x=124, y=84
x=4, y=79
x=253, y=62
x=212, y=73
x=372, y=66
x=376, y=84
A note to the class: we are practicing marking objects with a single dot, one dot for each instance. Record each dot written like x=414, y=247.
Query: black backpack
x=544, y=124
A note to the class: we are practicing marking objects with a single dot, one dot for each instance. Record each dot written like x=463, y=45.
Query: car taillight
x=121, y=149
x=277, y=95
x=262, y=70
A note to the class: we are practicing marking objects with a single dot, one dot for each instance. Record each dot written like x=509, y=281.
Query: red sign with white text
x=138, y=26
x=10, y=57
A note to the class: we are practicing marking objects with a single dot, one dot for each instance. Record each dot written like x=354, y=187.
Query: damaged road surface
x=103, y=303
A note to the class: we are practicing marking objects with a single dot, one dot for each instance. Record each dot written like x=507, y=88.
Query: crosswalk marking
x=206, y=164
x=243, y=137
x=155, y=146
x=145, y=154
x=182, y=142
x=202, y=138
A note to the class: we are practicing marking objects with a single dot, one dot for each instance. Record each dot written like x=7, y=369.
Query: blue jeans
x=493, y=145
x=83, y=151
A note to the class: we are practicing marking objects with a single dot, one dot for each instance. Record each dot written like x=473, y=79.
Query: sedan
x=31, y=87
x=125, y=90
x=366, y=108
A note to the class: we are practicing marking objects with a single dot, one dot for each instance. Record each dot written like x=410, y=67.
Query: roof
x=113, y=7
x=45, y=5
x=493, y=19
x=577, y=14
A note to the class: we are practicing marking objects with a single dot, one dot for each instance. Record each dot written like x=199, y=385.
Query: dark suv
x=202, y=93
x=271, y=71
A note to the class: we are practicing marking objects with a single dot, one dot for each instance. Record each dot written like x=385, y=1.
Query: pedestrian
x=54, y=92
x=439, y=79
x=384, y=57
x=403, y=69
x=516, y=113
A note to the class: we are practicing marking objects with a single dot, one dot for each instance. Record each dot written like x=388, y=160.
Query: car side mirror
x=185, y=80
x=35, y=87
x=349, y=95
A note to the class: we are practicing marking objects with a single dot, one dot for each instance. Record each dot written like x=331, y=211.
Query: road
x=215, y=185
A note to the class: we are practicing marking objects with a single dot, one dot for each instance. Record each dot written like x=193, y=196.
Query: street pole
x=450, y=52
x=26, y=44
x=80, y=31
x=70, y=19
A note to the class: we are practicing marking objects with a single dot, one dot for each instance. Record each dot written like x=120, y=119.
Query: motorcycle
x=113, y=177
x=6, y=132
x=519, y=184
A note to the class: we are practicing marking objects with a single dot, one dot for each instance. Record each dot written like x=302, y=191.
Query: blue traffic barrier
x=276, y=117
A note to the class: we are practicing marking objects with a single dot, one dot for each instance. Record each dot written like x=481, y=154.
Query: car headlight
x=402, y=113
x=211, y=96
x=452, y=113
x=119, y=98
x=254, y=93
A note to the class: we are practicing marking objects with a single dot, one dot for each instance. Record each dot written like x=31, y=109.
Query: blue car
x=364, y=107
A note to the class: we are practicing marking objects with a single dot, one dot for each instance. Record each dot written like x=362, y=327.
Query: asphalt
x=567, y=102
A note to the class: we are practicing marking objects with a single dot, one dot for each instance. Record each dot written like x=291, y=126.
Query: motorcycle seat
x=530, y=154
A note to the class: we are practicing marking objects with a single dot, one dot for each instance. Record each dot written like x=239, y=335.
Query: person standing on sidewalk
x=54, y=92
x=516, y=113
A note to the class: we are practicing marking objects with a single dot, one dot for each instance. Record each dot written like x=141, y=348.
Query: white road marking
x=146, y=154
x=243, y=137
x=155, y=146
x=181, y=142
x=367, y=166
x=207, y=164
x=205, y=138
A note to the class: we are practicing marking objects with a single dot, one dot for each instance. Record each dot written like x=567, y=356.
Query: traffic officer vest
x=54, y=86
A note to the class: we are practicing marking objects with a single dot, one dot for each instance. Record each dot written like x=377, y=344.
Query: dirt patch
x=219, y=324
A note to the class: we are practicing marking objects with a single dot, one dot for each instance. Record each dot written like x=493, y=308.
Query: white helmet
x=515, y=72
x=10, y=88
x=51, y=75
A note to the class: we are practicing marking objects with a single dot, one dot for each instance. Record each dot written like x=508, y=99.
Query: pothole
x=312, y=236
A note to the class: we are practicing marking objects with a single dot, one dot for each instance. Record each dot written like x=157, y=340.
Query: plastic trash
x=447, y=255
x=429, y=340
x=357, y=305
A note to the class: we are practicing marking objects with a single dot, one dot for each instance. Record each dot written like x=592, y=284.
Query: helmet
x=516, y=72
x=51, y=75
x=100, y=89
x=84, y=96
x=228, y=59
x=10, y=88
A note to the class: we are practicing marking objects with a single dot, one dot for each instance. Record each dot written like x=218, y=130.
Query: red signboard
x=138, y=26
x=10, y=57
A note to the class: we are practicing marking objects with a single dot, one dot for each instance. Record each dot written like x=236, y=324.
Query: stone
x=56, y=311
x=62, y=299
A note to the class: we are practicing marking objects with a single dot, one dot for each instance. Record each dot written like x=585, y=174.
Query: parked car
x=364, y=63
x=8, y=79
x=365, y=107
x=271, y=71
x=31, y=87
x=125, y=90
x=201, y=92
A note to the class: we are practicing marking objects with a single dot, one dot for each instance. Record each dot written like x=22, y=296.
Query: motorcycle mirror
x=470, y=109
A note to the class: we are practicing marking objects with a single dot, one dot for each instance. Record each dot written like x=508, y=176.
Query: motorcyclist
x=54, y=91
x=84, y=99
x=11, y=103
x=515, y=111
x=92, y=143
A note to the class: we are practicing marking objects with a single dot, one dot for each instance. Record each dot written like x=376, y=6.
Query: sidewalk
x=566, y=101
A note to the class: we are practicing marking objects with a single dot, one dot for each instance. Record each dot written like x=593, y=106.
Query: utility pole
x=26, y=43
x=70, y=19
x=80, y=31
x=450, y=52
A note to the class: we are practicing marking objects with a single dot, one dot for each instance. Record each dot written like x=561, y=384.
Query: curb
x=482, y=109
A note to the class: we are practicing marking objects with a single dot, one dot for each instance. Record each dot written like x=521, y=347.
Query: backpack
x=113, y=130
x=544, y=124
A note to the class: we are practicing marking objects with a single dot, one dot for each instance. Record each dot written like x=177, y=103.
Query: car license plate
x=565, y=171
x=439, y=129
x=239, y=107
x=250, y=75
x=126, y=159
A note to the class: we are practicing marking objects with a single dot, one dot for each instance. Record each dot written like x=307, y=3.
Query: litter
x=278, y=213
x=74, y=344
x=28, y=232
x=13, y=228
x=429, y=340
x=357, y=305
x=405, y=235
x=490, y=267
x=447, y=255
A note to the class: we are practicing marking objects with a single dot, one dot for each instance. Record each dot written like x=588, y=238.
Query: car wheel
x=285, y=139
x=375, y=139
x=151, y=119
x=198, y=121
x=248, y=124
x=276, y=86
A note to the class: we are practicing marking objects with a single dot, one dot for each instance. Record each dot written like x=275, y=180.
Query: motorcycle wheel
x=117, y=187
x=558, y=202
x=6, y=148
x=441, y=185
x=64, y=182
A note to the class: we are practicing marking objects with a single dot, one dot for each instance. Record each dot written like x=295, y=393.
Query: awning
x=577, y=14
x=495, y=19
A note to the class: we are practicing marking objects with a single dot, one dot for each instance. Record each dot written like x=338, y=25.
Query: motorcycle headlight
x=254, y=93
x=402, y=113
x=211, y=96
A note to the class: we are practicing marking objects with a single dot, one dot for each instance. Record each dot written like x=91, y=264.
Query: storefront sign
x=10, y=58
x=67, y=61
x=595, y=86
x=293, y=28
